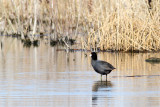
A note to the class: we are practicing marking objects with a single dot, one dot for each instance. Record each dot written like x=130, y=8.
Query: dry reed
x=119, y=25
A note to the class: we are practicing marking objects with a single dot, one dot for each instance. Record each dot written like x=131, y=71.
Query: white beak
x=90, y=55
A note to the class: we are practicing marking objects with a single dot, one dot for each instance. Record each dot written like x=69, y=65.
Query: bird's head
x=94, y=56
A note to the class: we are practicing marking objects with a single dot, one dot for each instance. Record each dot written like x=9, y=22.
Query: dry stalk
x=121, y=25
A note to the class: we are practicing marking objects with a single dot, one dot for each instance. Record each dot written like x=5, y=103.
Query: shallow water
x=45, y=77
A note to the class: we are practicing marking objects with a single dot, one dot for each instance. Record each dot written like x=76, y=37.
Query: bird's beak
x=90, y=55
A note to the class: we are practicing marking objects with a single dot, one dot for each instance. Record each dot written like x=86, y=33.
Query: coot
x=101, y=67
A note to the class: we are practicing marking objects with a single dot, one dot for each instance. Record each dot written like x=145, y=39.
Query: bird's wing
x=105, y=65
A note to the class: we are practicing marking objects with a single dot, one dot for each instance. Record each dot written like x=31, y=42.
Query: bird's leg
x=106, y=77
x=101, y=77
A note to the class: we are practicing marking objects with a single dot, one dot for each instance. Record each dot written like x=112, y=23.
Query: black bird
x=101, y=67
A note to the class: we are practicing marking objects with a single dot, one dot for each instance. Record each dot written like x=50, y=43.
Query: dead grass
x=119, y=25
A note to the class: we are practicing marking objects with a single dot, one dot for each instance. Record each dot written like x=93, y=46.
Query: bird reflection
x=99, y=88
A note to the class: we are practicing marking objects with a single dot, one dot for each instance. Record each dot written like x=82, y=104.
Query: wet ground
x=45, y=77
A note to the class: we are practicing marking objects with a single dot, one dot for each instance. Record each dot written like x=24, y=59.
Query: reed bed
x=116, y=25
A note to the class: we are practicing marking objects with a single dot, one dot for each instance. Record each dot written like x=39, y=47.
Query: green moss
x=153, y=60
x=26, y=42
x=35, y=43
x=53, y=42
x=16, y=35
x=72, y=41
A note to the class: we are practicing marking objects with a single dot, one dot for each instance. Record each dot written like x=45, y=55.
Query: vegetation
x=153, y=60
x=117, y=25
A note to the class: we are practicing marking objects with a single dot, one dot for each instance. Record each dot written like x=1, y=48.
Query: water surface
x=45, y=77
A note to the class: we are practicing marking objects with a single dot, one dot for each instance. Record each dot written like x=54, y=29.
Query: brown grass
x=119, y=25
